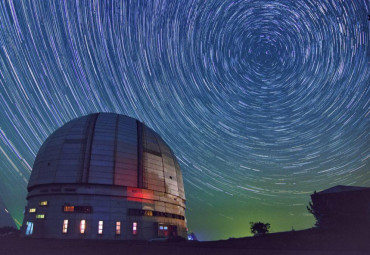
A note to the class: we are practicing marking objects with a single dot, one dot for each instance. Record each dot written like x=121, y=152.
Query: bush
x=259, y=228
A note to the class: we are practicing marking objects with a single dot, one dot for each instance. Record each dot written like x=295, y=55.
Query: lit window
x=29, y=229
x=77, y=209
x=68, y=208
x=134, y=228
x=65, y=226
x=32, y=210
x=118, y=228
x=163, y=230
x=44, y=203
x=40, y=216
x=148, y=213
x=82, y=226
x=100, y=228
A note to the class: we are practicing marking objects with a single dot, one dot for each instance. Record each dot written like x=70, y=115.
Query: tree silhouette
x=259, y=228
x=316, y=210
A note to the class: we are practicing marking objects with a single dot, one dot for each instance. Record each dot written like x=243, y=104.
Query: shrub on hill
x=259, y=228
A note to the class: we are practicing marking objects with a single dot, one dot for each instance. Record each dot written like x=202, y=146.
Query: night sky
x=262, y=102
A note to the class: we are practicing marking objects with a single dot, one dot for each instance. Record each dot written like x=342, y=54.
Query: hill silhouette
x=310, y=241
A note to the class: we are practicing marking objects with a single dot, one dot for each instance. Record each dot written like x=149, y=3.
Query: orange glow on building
x=118, y=228
x=68, y=208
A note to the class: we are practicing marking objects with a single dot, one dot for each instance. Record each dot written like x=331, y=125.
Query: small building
x=342, y=207
x=105, y=176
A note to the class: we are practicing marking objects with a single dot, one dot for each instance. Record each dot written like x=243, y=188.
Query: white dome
x=108, y=149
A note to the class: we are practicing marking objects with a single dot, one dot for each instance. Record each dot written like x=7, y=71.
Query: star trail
x=263, y=102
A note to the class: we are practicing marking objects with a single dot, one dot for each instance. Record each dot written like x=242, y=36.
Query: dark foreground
x=296, y=242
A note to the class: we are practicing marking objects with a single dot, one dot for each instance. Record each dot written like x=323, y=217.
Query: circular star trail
x=262, y=101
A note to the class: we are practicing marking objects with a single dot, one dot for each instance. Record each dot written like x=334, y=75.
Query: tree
x=316, y=210
x=259, y=228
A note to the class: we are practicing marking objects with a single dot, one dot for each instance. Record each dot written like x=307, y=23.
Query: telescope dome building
x=105, y=176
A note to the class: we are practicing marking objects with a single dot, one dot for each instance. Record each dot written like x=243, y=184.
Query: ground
x=307, y=242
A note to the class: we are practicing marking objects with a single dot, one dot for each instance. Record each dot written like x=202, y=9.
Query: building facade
x=105, y=176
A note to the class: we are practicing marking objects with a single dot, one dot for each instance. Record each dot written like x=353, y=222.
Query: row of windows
x=131, y=212
x=100, y=227
x=163, y=229
x=58, y=190
x=140, y=212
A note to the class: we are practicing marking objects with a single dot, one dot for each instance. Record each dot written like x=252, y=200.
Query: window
x=32, y=210
x=100, y=228
x=140, y=212
x=118, y=228
x=83, y=209
x=44, y=203
x=163, y=230
x=65, y=226
x=77, y=209
x=68, y=208
x=134, y=228
x=40, y=216
x=29, y=229
x=82, y=226
x=148, y=213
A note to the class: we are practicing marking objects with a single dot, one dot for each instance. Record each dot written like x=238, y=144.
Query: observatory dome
x=106, y=167
x=111, y=149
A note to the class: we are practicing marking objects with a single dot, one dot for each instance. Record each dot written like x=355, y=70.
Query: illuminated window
x=40, y=216
x=29, y=229
x=44, y=203
x=163, y=230
x=68, y=208
x=134, y=228
x=140, y=212
x=100, y=228
x=32, y=210
x=118, y=228
x=65, y=226
x=77, y=209
x=82, y=226
x=148, y=213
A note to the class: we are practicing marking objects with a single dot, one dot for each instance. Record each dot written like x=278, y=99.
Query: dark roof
x=341, y=188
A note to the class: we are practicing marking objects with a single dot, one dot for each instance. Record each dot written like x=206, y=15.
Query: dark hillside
x=304, y=242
